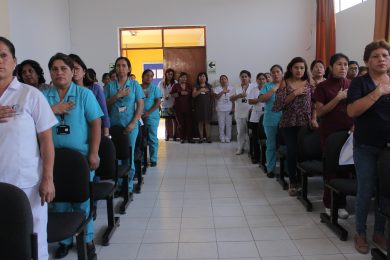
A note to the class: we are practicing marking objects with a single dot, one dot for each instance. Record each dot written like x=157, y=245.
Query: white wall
x=4, y=19
x=355, y=29
x=39, y=29
x=250, y=34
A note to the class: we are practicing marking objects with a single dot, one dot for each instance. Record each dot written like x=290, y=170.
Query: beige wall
x=4, y=18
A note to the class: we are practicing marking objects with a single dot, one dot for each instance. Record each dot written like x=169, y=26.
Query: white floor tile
x=197, y=250
x=237, y=249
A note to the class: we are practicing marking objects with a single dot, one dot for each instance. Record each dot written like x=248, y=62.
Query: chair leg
x=81, y=246
x=113, y=222
x=280, y=178
x=377, y=254
x=138, y=172
x=34, y=246
x=145, y=159
x=302, y=195
x=332, y=220
x=126, y=195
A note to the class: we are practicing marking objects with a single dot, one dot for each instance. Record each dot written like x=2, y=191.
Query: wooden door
x=189, y=60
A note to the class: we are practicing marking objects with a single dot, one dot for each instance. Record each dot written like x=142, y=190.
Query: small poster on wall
x=211, y=66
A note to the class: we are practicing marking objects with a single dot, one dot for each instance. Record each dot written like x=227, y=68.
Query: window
x=341, y=5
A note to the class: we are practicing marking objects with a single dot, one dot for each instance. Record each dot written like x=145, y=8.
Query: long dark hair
x=288, y=74
x=172, y=81
x=201, y=74
x=87, y=81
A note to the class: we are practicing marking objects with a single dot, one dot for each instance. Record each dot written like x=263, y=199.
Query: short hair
x=336, y=57
x=276, y=66
x=183, y=74
x=259, y=75
x=353, y=62
x=10, y=45
x=105, y=74
x=112, y=72
x=36, y=67
x=127, y=62
x=223, y=76
x=61, y=56
x=295, y=60
x=381, y=44
x=314, y=62
x=87, y=80
x=146, y=71
x=201, y=74
x=245, y=72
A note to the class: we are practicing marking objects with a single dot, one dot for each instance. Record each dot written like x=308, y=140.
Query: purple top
x=98, y=92
x=298, y=111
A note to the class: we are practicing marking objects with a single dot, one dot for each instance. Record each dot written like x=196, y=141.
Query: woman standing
x=167, y=102
x=369, y=105
x=295, y=101
x=125, y=102
x=257, y=110
x=271, y=118
x=203, y=105
x=81, y=78
x=241, y=111
x=224, y=109
x=31, y=73
x=182, y=94
x=317, y=69
x=151, y=116
x=331, y=108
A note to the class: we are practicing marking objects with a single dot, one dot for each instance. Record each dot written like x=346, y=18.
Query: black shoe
x=91, y=251
x=270, y=175
x=190, y=141
x=182, y=141
x=131, y=197
x=153, y=164
x=117, y=193
x=200, y=141
x=62, y=251
x=166, y=139
x=209, y=141
x=137, y=189
x=94, y=210
x=174, y=139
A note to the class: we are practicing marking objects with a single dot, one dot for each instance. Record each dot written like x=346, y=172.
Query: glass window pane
x=349, y=3
x=142, y=38
x=184, y=37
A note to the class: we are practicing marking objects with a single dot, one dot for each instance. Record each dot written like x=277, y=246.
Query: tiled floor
x=204, y=202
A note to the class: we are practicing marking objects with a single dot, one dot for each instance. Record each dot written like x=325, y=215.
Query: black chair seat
x=123, y=170
x=62, y=225
x=347, y=187
x=102, y=190
x=313, y=167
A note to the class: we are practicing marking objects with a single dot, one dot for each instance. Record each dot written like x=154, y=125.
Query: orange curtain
x=326, y=30
x=382, y=20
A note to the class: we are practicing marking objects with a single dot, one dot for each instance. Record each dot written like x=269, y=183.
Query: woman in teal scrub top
x=125, y=103
x=151, y=114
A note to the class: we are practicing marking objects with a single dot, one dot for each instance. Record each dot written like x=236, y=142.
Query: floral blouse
x=298, y=111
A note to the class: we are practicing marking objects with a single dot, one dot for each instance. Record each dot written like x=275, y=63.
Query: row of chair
x=313, y=161
x=71, y=169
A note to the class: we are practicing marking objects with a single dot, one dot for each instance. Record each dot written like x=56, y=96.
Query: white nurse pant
x=242, y=133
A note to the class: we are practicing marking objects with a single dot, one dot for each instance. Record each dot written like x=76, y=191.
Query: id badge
x=122, y=109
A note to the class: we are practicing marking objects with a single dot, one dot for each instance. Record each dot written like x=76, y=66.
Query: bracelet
x=372, y=98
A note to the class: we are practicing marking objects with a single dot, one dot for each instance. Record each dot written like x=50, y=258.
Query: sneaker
x=361, y=244
x=91, y=251
x=292, y=190
x=380, y=240
x=238, y=152
x=327, y=211
x=343, y=214
x=222, y=140
x=227, y=140
x=270, y=174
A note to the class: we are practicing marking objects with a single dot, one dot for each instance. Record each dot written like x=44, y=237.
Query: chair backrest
x=107, y=156
x=16, y=223
x=121, y=142
x=383, y=173
x=71, y=176
x=332, y=149
x=309, y=145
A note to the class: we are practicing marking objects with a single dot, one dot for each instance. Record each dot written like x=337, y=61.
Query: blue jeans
x=270, y=153
x=290, y=135
x=365, y=158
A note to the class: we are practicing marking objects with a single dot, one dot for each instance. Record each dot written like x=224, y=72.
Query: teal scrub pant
x=153, y=140
x=270, y=154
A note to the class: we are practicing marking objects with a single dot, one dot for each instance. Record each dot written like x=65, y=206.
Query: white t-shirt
x=258, y=109
x=20, y=162
x=223, y=103
x=165, y=91
x=242, y=106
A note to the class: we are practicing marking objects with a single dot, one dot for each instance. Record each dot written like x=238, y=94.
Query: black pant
x=254, y=141
x=290, y=136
